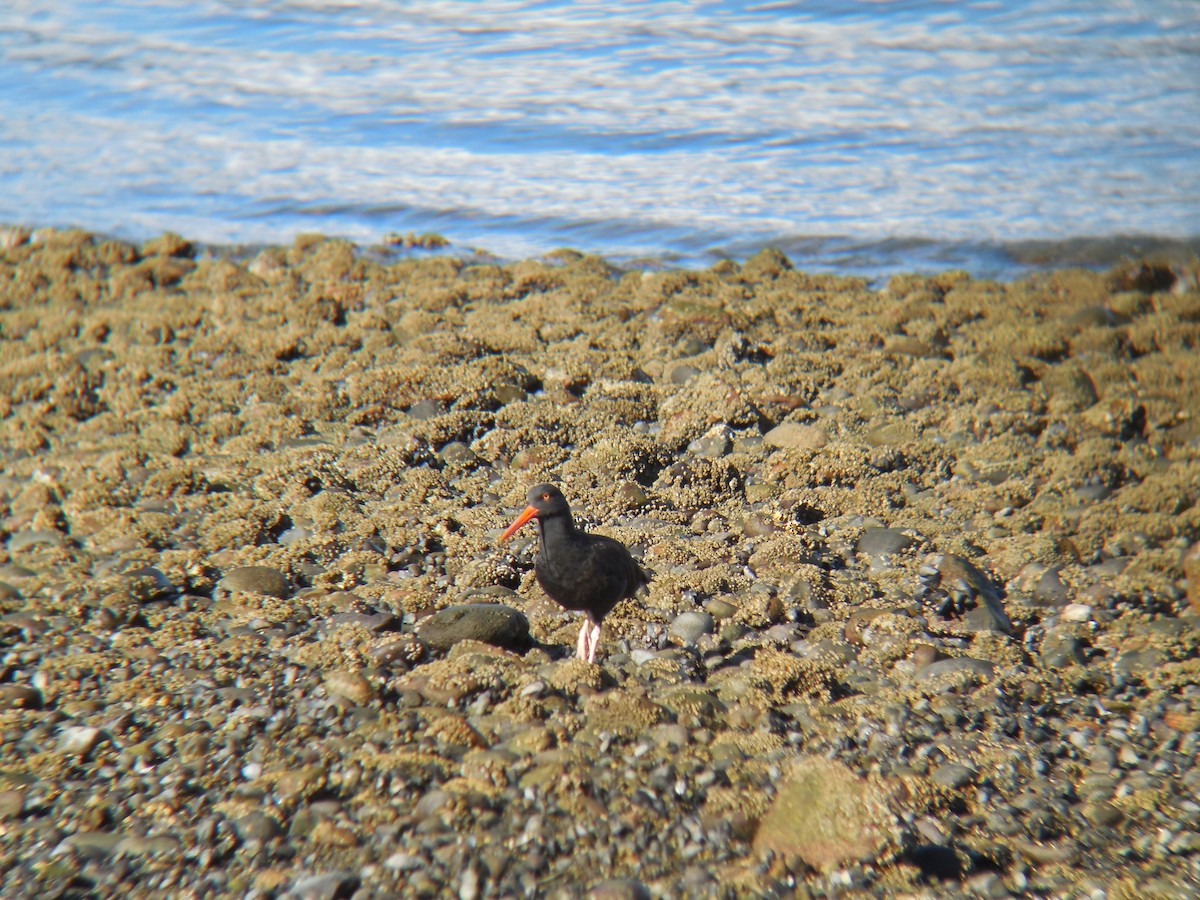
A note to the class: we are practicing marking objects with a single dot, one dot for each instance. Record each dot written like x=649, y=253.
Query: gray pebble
x=1050, y=589
x=953, y=775
x=1060, y=648
x=78, y=740
x=158, y=846
x=688, y=627
x=323, y=887
x=257, y=826
x=714, y=443
x=956, y=664
x=94, y=844
x=878, y=542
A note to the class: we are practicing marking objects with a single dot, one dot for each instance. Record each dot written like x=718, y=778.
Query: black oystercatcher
x=580, y=571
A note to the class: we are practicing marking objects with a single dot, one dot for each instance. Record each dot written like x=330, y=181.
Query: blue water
x=860, y=136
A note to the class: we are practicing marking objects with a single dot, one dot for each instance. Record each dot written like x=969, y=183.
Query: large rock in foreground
x=827, y=816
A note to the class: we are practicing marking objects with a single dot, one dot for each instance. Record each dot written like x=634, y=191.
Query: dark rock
x=19, y=696
x=374, y=622
x=491, y=623
x=406, y=650
x=937, y=861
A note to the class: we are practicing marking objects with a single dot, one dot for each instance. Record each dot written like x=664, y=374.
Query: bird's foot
x=589, y=640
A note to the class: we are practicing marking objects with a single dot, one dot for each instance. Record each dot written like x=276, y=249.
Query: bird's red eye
x=545, y=496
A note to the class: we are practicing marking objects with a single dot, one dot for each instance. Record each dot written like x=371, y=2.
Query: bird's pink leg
x=581, y=648
x=593, y=641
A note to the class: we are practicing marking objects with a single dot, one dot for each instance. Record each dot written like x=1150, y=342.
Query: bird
x=584, y=572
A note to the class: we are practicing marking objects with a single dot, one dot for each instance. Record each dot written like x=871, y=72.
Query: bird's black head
x=544, y=501
x=547, y=500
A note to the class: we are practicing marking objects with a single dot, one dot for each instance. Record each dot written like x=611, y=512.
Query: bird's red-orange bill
x=529, y=513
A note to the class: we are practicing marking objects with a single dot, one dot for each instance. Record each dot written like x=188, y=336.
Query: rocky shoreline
x=923, y=620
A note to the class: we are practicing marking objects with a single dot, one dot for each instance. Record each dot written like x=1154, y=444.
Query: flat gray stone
x=96, y=844
x=491, y=623
x=953, y=775
x=158, y=846
x=957, y=664
x=1050, y=589
x=25, y=539
x=619, y=889
x=877, y=542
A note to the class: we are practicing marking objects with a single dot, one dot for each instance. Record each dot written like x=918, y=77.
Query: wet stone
x=406, y=650
x=156, y=846
x=257, y=826
x=95, y=844
x=491, y=623
x=349, y=686
x=12, y=804
x=375, y=622
x=19, y=696
x=989, y=615
x=426, y=409
x=682, y=373
x=456, y=454
x=720, y=608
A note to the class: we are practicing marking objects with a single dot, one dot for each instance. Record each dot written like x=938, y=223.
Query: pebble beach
x=924, y=617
